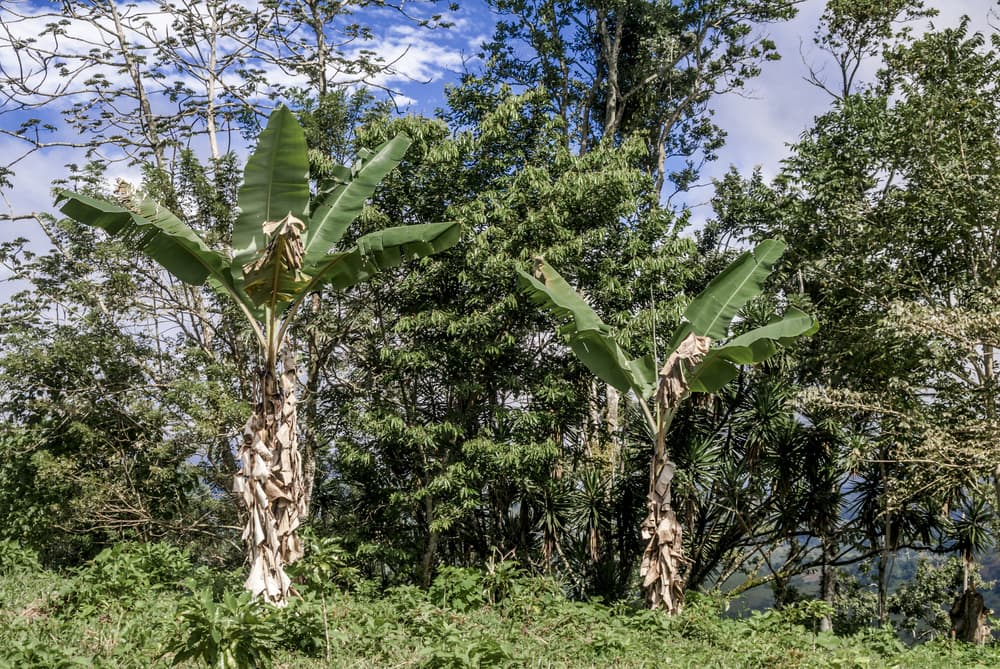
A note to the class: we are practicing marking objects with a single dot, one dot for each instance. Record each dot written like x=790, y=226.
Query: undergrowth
x=148, y=606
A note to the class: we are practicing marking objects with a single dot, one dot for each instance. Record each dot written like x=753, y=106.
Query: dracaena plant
x=701, y=358
x=281, y=253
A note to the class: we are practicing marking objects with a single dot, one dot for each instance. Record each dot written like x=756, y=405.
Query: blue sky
x=774, y=111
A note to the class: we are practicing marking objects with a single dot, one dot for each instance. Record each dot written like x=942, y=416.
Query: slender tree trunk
x=271, y=484
x=828, y=582
x=433, y=536
x=149, y=124
x=883, y=589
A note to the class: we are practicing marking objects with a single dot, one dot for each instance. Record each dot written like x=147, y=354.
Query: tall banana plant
x=701, y=358
x=281, y=253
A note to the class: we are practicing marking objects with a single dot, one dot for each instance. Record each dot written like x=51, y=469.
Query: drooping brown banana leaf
x=275, y=277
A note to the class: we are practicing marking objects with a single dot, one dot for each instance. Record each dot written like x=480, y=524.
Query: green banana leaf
x=391, y=246
x=159, y=234
x=588, y=336
x=711, y=375
x=275, y=183
x=382, y=250
x=794, y=323
x=719, y=366
x=346, y=200
x=715, y=307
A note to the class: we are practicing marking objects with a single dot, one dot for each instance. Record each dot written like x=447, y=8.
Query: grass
x=128, y=611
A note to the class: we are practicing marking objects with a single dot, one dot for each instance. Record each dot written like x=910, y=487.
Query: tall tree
x=635, y=67
x=138, y=82
x=889, y=205
x=470, y=409
x=853, y=33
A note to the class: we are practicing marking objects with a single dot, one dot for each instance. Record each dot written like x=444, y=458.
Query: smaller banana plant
x=281, y=253
x=701, y=358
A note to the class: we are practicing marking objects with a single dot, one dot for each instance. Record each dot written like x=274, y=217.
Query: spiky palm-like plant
x=281, y=253
x=696, y=362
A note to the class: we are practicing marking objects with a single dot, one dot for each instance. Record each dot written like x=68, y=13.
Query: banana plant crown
x=700, y=358
x=280, y=249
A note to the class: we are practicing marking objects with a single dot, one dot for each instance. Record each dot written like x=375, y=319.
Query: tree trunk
x=663, y=558
x=968, y=618
x=271, y=485
x=883, y=589
x=828, y=583
x=433, y=536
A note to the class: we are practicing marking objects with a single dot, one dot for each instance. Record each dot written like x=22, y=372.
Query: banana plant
x=281, y=253
x=701, y=358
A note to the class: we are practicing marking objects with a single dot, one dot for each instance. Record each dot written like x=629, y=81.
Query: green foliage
x=709, y=315
x=16, y=559
x=633, y=70
x=856, y=604
x=234, y=633
x=124, y=573
x=807, y=613
x=589, y=337
x=457, y=650
x=35, y=655
x=85, y=459
x=922, y=602
x=275, y=186
x=460, y=422
x=326, y=565
x=458, y=588
x=533, y=625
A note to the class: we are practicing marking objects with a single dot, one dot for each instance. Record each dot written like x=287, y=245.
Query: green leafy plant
x=325, y=565
x=234, y=633
x=855, y=604
x=122, y=574
x=503, y=578
x=280, y=254
x=15, y=558
x=38, y=654
x=458, y=588
x=463, y=651
x=304, y=626
x=807, y=613
x=701, y=357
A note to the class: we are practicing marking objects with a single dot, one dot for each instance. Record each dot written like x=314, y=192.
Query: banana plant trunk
x=271, y=483
x=663, y=561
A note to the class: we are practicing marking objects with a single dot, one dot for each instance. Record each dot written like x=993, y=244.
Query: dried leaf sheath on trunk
x=663, y=561
x=271, y=484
